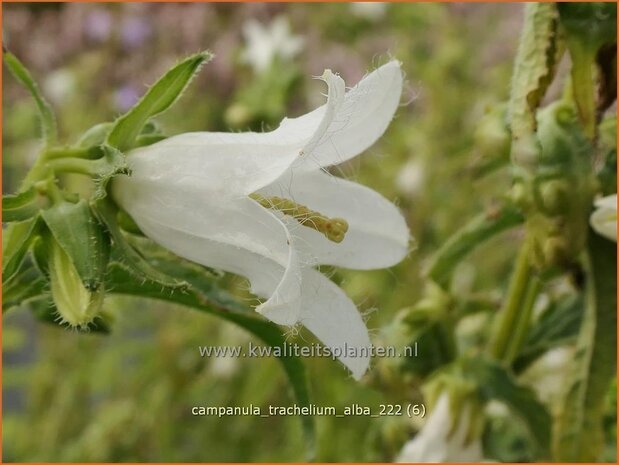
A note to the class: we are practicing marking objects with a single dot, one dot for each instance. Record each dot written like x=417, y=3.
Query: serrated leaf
x=106, y=211
x=579, y=433
x=496, y=383
x=159, y=98
x=83, y=239
x=558, y=326
x=474, y=233
x=212, y=300
x=22, y=206
x=17, y=239
x=46, y=115
x=536, y=62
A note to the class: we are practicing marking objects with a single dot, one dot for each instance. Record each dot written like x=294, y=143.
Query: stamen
x=334, y=229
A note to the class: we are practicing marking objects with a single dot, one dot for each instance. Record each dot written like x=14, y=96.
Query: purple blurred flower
x=126, y=97
x=98, y=25
x=134, y=32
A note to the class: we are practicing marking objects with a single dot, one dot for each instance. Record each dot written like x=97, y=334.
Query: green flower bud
x=492, y=136
x=557, y=251
x=76, y=305
x=554, y=196
x=520, y=196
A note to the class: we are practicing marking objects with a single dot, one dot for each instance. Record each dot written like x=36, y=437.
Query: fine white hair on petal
x=358, y=122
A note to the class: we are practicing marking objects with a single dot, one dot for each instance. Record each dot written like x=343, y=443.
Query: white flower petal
x=438, y=442
x=360, y=119
x=239, y=237
x=321, y=118
x=222, y=163
x=377, y=234
x=334, y=319
x=610, y=201
x=604, y=219
x=234, y=163
x=246, y=239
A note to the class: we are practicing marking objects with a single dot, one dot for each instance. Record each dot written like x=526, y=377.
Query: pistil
x=334, y=229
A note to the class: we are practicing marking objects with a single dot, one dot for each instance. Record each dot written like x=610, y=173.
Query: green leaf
x=536, y=61
x=46, y=115
x=82, y=237
x=148, y=139
x=95, y=135
x=106, y=211
x=579, y=434
x=25, y=286
x=587, y=27
x=557, y=326
x=22, y=206
x=16, y=241
x=127, y=223
x=594, y=24
x=496, y=383
x=478, y=230
x=159, y=98
x=208, y=298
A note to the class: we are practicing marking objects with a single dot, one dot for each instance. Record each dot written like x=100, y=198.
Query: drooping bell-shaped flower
x=604, y=218
x=444, y=438
x=262, y=205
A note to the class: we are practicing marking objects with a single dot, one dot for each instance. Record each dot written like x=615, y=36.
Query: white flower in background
x=59, y=85
x=369, y=10
x=604, y=218
x=440, y=440
x=411, y=178
x=549, y=375
x=266, y=43
x=261, y=205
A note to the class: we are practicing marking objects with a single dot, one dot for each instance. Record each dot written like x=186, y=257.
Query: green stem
x=74, y=165
x=67, y=152
x=50, y=189
x=38, y=172
x=521, y=326
x=500, y=340
x=583, y=86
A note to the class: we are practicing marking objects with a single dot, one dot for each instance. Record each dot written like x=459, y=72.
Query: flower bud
x=76, y=305
x=492, y=136
x=554, y=196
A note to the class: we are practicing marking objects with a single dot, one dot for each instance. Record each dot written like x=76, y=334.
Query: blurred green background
x=127, y=396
